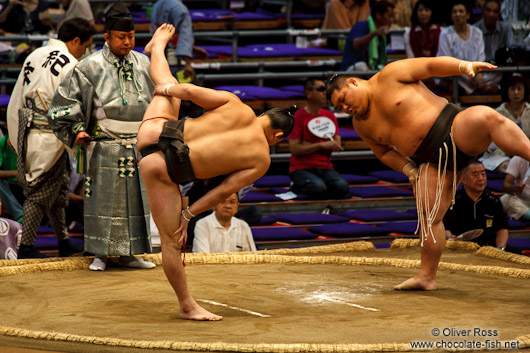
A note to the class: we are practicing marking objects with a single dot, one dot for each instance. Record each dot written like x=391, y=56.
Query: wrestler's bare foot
x=416, y=284
x=196, y=312
x=161, y=37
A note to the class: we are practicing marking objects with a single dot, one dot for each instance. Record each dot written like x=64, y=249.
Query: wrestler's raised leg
x=431, y=252
x=476, y=127
x=161, y=106
x=165, y=204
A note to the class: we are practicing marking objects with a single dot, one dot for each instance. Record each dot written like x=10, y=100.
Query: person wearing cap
x=42, y=161
x=98, y=109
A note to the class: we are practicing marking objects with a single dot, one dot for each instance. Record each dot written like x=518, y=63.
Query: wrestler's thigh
x=471, y=129
x=427, y=189
x=163, y=107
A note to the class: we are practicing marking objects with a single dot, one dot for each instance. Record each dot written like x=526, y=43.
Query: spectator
x=515, y=10
x=176, y=13
x=402, y=12
x=516, y=108
x=477, y=208
x=23, y=17
x=221, y=231
x=495, y=33
x=310, y=167
x=365, y=47
x=76, y=8
x=422, y=37
x=250, y=214
x=462, y=41
x=11, y=232
x=43, y=169
x=344, y=14
x=100, y=104
x=516, y=201
x=9, y=187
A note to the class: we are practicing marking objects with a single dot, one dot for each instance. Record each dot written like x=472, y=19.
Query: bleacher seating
x=380, y=206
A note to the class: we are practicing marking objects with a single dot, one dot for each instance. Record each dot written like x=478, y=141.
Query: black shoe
x=67, y=248
x=29, y=252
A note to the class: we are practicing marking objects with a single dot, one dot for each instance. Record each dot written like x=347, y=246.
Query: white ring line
x=350, y=304
x=232, y=307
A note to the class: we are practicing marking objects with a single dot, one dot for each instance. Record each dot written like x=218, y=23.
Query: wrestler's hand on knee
x=181, y=234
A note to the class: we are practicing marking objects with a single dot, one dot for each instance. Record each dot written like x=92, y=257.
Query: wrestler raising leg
x=164, y=195
x=473, y=130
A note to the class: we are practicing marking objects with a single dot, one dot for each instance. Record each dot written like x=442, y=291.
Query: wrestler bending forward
x=227, y=140
x=399, y=117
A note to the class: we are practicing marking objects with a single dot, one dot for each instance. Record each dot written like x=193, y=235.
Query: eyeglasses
x=229, y=203
x=320, y=89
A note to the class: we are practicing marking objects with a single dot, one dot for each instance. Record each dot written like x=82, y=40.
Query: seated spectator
x=516, y=108
x=517, y=13
x=250, y=214
x=516, y=201
x=515, y=10
x=76, y=8
x=422, y=37
x=402, y=12
x=462, y=41
x=23, y=17
x=310, y=167
x=476, y=208
x=344, y=14
x=10, y=237
x=495, y=33
x=365, y=47
x=9, y=188
x=221, y=231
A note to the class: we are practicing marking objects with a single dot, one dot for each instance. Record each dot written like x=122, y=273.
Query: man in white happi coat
x=43, y=171
x=100, y=106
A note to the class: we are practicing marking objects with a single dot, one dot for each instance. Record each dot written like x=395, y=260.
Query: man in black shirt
x=477, y=208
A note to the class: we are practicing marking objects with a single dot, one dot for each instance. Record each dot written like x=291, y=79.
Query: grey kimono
x=107, y=98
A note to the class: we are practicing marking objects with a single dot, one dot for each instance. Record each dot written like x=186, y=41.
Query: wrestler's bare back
x=400, y=114
x=223, y=140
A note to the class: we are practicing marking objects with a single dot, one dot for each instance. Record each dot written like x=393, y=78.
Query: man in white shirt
x=221, y=231
x=516, y=201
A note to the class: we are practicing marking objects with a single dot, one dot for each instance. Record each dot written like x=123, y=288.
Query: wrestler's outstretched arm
x=230, y=185
x=205, y=97
x=415, y=69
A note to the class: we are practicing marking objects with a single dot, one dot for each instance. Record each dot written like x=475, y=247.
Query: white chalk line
x=338, y=301
x=233, y=307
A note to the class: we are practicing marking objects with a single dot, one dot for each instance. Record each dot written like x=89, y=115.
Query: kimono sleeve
x=71, y=106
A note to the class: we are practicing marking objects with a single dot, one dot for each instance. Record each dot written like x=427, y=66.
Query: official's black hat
x=119, y=18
